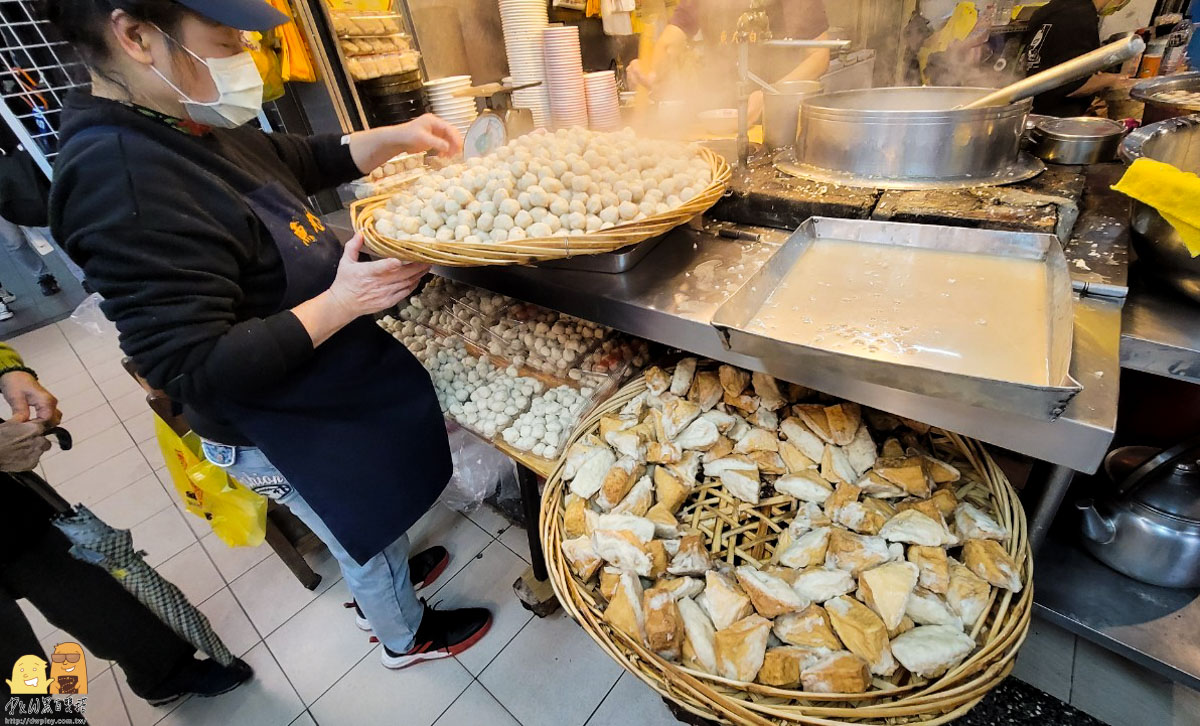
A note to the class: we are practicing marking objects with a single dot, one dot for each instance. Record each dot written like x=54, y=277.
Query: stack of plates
x=564, y=76
x=455, y=110
x=603, y=106
x=522, y=22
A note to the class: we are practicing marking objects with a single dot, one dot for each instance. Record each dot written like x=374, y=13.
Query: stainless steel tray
x=611, y=262
x=813, y=366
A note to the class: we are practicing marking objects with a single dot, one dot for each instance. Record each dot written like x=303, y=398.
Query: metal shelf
x=1160, y=334
x=1154, y=627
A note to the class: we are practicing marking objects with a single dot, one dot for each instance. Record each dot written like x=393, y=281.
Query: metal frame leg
x=531, y=504
x=1057, y=482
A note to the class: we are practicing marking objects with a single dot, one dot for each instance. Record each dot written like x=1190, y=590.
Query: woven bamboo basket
x=742, y=533
x=521, y=252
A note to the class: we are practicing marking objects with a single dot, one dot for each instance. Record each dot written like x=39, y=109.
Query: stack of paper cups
x=522, y=22
x=603, y=105
x=564, y=76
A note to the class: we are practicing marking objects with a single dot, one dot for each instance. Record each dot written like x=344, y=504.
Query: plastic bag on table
x=478, y=470
x=90, y=317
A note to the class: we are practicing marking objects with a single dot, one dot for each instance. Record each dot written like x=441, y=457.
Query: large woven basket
x=999, y=633
x=520, y=252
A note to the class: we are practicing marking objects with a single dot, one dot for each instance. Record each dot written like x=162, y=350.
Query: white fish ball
x=509, y=207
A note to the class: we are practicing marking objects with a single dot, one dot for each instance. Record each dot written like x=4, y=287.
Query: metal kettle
x=1150, y=529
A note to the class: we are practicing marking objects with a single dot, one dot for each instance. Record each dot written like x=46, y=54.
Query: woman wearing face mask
x=232, y=296
x=1059, y=31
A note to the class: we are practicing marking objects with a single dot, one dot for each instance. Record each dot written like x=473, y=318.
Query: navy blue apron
x=357, y=428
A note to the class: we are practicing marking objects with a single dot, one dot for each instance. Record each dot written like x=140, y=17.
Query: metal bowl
x=1080, y=140
x=1175, y=141
x=910, y=137
x=1149, y=92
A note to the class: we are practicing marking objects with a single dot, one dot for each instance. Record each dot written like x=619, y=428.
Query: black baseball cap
x=254, y=15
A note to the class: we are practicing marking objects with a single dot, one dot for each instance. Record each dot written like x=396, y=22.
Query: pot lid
x=1080, y=128
x=1173, y=490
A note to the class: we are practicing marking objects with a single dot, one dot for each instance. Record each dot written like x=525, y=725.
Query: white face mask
x=239, y=90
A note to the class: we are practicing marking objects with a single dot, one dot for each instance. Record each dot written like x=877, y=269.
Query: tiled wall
x=1101, y=683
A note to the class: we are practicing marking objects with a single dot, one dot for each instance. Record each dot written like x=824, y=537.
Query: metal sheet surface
x=672, y=295
x=808, y=364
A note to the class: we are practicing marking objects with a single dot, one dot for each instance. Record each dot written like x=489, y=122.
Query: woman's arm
x=813, y=66
x=326, y=160
x=371, y=149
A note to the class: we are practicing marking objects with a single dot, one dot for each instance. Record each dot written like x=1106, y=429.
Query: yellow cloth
x=296, y=59
x=960, y=25
x=1171, y=191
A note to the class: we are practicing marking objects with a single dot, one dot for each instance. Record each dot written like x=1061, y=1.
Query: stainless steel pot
x=911, y=137
x=1160, y=249
x=1150, y=93
x=781, y=111
x=1150, y=530
x=1082, y=140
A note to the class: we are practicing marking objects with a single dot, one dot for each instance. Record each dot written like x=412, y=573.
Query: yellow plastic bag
x=236, y=514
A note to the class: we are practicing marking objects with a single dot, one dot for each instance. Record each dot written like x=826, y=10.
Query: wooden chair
x=286, y=534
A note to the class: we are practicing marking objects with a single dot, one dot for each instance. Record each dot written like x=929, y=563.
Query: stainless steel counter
x=1154, y=627
x=671, y=296
x=1160, y=334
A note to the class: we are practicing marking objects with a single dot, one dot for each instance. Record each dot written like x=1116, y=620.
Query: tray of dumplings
x=366, y=24
x=504, y=399
x=758, y=539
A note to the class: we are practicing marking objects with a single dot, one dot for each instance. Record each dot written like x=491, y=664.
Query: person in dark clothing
x=703, y=28
x=1059, y=31
x=79, y=598
x=232, y=296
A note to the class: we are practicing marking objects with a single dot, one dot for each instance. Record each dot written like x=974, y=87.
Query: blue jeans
x=381, y=585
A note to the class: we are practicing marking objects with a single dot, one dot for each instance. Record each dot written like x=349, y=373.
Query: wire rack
x=37, y=68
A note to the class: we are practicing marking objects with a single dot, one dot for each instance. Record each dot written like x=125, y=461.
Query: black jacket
x=188, y=274
x=1059, y=31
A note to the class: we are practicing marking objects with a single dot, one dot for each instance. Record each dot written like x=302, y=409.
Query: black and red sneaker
x=424, y=568
x=443, y=633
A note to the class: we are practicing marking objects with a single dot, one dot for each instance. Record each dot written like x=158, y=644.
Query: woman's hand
x=365, y=288
x=25, y=394
x=22, y=444
x=370, y=149
x=359, y=288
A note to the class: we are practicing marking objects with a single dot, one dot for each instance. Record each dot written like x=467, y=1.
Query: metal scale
x=499, y=121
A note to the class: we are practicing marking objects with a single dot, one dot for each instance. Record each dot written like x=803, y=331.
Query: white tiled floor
x=313, y=666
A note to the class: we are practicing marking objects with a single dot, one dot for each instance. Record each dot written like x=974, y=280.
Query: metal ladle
x=1063, y=73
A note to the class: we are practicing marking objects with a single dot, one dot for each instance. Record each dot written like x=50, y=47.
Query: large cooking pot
x=912, y=138
x=1151, y=91
x=1160, y=249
